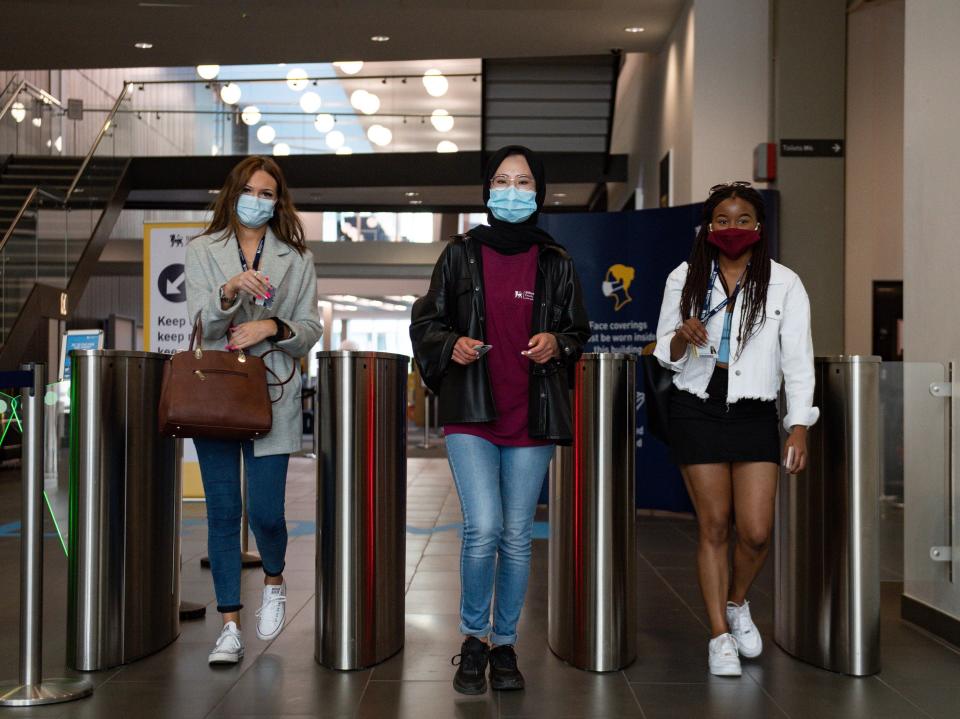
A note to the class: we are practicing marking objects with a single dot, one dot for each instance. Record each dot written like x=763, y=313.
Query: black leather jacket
x=454, y=307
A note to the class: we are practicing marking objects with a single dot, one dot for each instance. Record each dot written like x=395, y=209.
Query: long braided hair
x=754, y=291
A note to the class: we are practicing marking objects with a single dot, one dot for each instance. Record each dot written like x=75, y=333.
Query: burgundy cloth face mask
x=733, y=241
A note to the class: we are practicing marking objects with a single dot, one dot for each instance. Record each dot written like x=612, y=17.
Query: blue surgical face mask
x=512, y=205
x=253, y=211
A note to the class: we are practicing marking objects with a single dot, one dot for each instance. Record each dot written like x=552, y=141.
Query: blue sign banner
x=623, y=259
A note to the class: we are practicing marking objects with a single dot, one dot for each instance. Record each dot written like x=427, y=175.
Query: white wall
x=705, y=96
x=655, y=114
x=731, y=90
x=931, y=260
x=874, y=166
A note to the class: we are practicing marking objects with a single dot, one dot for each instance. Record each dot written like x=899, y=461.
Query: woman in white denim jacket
x=734, y=324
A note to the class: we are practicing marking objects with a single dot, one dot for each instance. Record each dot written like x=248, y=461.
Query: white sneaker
x=723, y=656
x=744, y=630
x=229, y=646
x=272, y=610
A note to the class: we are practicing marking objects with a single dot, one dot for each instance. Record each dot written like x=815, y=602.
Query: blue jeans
x=266, y=484
x=498, y=488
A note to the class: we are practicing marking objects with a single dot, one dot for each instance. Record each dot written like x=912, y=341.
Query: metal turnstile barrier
x=592, y=612
x=827, y=561
x=30, y=688
x=361, y=433
x=124, y=538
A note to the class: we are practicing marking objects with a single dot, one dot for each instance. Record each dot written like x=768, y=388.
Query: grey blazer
x=210, y=262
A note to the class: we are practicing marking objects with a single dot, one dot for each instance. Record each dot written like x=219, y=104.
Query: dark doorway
x=888, y=320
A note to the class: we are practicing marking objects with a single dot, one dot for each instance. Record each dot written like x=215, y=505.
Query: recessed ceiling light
x=416, y=202
x=143, y=45
x=213, y=192
x=559, y=194
x=380, y=38
x=411, y=194
x=557, y=202
x=634, y=29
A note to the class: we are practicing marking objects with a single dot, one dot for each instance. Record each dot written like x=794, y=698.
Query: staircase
x=46, y=244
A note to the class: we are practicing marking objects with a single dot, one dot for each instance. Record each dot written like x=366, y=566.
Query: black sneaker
x=471, y=663
x=504, y=674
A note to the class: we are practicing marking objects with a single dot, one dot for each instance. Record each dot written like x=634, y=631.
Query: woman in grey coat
x=251, y=279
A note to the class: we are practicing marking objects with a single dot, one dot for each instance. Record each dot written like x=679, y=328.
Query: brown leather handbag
x=216, y=394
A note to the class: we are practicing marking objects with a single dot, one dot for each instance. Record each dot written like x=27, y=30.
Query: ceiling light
x=380, y=38
x=213, y=192
x=281, y=149
x=266, y=134
x=416, y=202
x=349, y=67
x=250, y=115
x=634, y=29
x=230, y=93
x=18, y=111
x=442, y=120
x=365, y=102
x=208, y=72
x=344, y=150
x=379, y=135
x=559, y=194
x=143, y=45
x=435, y=83
x=335, y=139
x=310, y=102
x=324, y=123
x=297, y=79
x=447, y=146
x=58, y=143
x=344, y=308
x=37, y=121
x=411, y=194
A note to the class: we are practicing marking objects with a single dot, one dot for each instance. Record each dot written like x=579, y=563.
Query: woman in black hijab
x=496, y=337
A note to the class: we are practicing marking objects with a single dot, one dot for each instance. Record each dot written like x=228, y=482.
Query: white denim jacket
x=781, y=349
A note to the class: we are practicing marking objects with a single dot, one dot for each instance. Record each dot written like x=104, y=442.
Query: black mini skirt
x=709, y=431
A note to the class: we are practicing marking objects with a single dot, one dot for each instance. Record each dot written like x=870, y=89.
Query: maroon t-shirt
x=508, y=285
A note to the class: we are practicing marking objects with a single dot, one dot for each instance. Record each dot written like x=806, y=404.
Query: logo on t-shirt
x=523, y=295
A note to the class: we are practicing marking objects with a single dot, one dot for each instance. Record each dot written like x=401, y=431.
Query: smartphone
x=789, y=462
x=481, y=350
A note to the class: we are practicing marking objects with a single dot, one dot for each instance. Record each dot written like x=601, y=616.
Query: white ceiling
x=48, y=34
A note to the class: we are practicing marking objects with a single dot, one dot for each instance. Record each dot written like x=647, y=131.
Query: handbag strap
x=196, y=336
x=279, y=383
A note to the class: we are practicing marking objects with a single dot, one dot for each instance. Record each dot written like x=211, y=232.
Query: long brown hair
x=285, y=222
x=754, y=292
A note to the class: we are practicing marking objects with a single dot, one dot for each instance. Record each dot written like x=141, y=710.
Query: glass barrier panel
x=56, y=448
x=927, y=492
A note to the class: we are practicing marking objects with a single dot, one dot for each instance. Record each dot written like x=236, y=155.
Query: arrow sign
x=811, y=148
x=172, y=283
x=174, y=287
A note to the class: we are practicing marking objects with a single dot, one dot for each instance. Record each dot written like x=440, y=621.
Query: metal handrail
x=37, y=92
x=16, y=220
x=96, y=143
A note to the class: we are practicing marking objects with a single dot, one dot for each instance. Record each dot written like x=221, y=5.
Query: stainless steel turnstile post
x=361, y=507
x=124, y=539
x=826, y=541
x=592, y=608
x=32, y=689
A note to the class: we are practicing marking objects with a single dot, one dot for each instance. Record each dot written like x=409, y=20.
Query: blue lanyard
x=256, y=257
x=707, y=313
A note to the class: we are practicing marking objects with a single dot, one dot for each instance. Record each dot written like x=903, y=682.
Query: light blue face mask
x=512, y=205
x=253, y=211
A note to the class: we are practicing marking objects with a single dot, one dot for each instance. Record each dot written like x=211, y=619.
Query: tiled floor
x=921, y=677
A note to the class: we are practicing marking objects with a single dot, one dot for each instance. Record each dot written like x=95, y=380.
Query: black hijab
x=509, y=238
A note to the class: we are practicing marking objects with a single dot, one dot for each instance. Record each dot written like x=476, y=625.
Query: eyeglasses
x=521, y=182
x=725, y=185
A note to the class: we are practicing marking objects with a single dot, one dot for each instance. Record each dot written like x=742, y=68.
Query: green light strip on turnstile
x=56, y=524
x=14, y=417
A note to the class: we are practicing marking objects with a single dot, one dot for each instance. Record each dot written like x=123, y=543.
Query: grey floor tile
x=730, y=698
x=423, y=700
